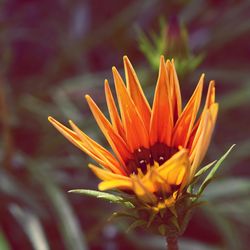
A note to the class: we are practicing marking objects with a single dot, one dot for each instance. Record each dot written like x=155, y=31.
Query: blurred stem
x=4, y=122
x=172, y=242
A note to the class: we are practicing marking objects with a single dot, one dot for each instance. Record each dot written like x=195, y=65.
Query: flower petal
x=111, y=180
x=184, y=125
x=175, y=169
x=108, y=160
x=136, y=92
x=175, y=87
x=204, y=134
x=161, y=124
x=116, y=142
x=87, y=145
x=136, y=132
x=210, y=99
x=114, y=115
x=142, y=192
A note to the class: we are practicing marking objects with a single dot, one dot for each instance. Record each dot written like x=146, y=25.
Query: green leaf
x=229, y=188
x=104, y=196
x=213, y=171
x=198, y=175
x=204, y=169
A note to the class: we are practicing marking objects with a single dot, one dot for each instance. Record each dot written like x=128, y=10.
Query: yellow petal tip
x=125, y=58
x=114, y=69
x=87, y=97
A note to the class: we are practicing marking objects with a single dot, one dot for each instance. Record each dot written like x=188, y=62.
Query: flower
x=156, y=150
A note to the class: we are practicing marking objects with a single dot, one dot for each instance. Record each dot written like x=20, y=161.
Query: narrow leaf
x=199, y=174
x=204, y=169
x=102, y=195
x=213, y=171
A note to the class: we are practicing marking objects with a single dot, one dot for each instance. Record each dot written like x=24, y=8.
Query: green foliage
x=211, y=174
x=172, y=41
x=105, y=196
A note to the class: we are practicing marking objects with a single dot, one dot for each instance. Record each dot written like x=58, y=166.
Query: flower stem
x=171, y=242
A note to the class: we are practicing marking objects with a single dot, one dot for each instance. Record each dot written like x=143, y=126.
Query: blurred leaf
x=227, y=229
x=228, y=188
x=158, y=243
x=66, y=105
x=11, y=186
x=32, y=227
x=69, y=226
x=213, y=171
x=236, y=99
x=237, y=211
x=4, y=245
x=37, y=106
x=227, y=76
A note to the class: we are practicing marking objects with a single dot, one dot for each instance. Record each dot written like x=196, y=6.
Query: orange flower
x=156, y=150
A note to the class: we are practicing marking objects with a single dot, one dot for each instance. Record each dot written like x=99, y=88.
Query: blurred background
x=54, y=52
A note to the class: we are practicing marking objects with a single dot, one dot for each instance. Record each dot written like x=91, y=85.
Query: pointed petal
x=203, y=137
x=136, y=133
x=83, y=145
x=210, y=95
x=175, y=86
x=68, y=133
x=111, y=180
x=161, y=123
x=136, y=92
x=184, y=125
x=119, y=184
x=114, y=115
x=108, y=160
x=116, y=142
x=210, y=99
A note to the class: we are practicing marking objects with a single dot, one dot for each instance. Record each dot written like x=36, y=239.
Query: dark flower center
x=159, y=152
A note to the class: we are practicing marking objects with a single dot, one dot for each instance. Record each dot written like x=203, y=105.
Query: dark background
x=54, y=52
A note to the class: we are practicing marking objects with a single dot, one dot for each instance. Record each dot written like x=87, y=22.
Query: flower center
x=159, y=152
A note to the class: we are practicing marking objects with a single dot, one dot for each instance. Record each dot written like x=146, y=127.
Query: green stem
x=171, y=242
